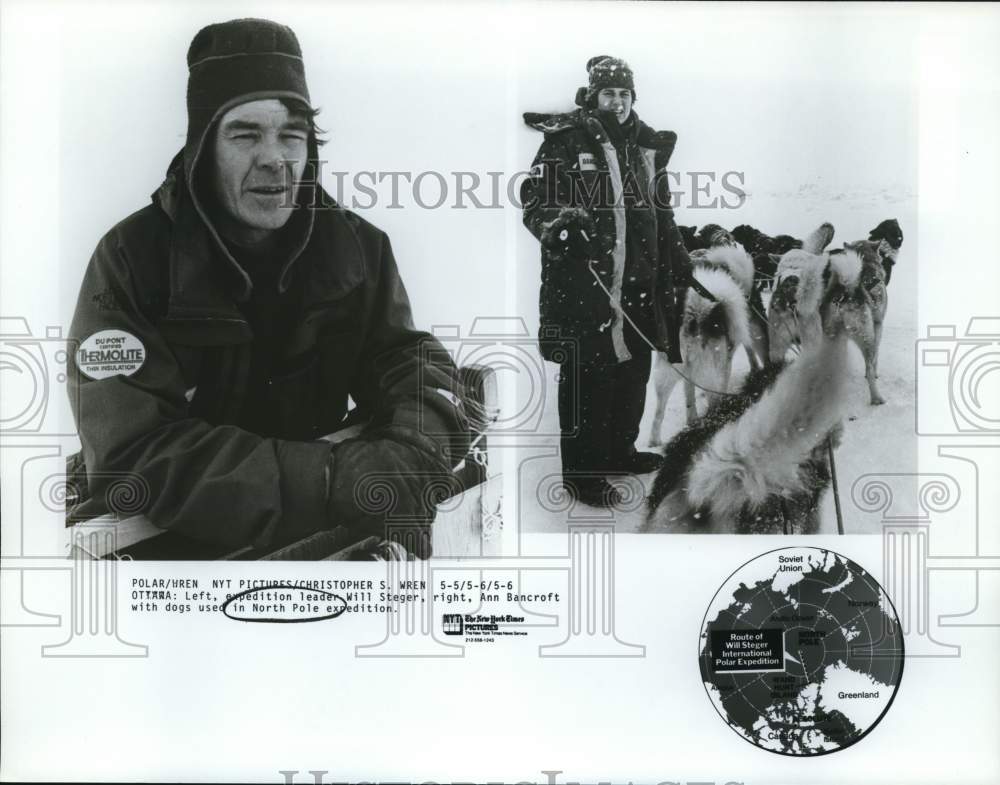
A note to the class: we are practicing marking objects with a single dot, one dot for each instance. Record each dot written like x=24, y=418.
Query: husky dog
x=878, y=255
x=876, y=264
x=760, y=246
x=728, y=255
x=890, y=238
x=783, y=323
x=716, y=320
x=851, y=279
x=757, y=461
x=688, y=236
x=706, y=237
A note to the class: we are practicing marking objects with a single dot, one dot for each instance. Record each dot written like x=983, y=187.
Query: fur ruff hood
x=550, y=123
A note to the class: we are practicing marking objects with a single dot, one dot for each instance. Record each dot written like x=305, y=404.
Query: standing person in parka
x=613, y=263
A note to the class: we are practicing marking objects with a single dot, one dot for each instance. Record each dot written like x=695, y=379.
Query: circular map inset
x=801, y=651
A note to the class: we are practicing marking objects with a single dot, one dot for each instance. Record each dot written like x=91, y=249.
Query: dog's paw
x=877, y=400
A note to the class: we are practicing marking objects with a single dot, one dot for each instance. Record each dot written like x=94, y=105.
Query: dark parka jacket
x=639, y=255
x=179, y=422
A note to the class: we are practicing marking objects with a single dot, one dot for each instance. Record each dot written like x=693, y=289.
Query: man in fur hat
x=223, y=327
x=612, y=262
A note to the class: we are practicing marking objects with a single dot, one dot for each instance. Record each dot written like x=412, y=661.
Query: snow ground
x=876, y=438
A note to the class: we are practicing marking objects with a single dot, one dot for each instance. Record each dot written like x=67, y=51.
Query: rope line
x=833, y=482
x=621, y=311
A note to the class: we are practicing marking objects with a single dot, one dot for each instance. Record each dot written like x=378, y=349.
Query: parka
x=174, y=419
x=639, y=263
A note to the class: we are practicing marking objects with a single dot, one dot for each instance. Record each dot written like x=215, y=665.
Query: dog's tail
x=733, y=259
x=760, y=454
x=844, y=269
x=818, y=239
x=713, y=328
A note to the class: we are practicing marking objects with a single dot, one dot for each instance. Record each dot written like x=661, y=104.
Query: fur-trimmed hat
x=605, y=71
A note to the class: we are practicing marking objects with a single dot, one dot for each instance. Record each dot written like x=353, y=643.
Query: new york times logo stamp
x=483, y=628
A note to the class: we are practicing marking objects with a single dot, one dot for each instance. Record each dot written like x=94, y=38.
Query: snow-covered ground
x=876, y=438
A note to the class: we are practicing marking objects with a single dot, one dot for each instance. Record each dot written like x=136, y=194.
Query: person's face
x=617, y=100
x=260, y=153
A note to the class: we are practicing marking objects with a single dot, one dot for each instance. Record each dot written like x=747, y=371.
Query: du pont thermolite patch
x=110, y=353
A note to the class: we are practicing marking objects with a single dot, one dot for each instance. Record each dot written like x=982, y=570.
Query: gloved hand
x=388, y=483
x=572, y=235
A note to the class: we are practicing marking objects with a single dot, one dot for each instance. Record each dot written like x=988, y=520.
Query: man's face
x=260, y=153
x=617, y=100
